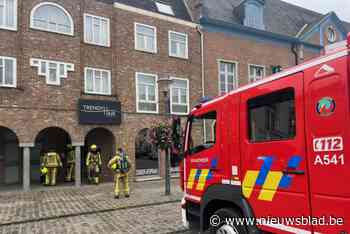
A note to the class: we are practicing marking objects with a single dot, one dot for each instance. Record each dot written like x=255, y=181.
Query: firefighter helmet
x=93, y=147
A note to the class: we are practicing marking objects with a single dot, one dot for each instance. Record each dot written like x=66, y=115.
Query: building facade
x=86, y=72
x=106, y=71
x=244, y=41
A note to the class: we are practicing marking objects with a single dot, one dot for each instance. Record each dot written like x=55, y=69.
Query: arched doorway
x=10, y=158
x=105, y=141
x=52, y=138
x=146, y=154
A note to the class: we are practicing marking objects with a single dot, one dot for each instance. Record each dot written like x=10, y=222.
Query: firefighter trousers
x=121, y=178
x=50, y=177
x=70, y=172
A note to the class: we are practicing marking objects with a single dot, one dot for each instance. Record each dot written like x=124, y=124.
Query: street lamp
x=165, y=89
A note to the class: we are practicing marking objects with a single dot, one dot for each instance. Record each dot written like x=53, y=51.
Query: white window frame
x=155, y=38
x=71, y=33
x=108, y=31
x=180, y=104
x=14, y=28
x=186, y=48
x=14, y=60
x=109, y=81
x=156, y=93
x=255, y=65
x=219, y=61
x=68, y=67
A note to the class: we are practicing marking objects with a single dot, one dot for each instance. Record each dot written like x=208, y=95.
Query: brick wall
x=244, y=51
x=34, y=105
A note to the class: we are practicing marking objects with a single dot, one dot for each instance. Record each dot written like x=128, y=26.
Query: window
x=178, y=44
x=51, y=17
x=53, y=71
x=98, y=81
x=164, y=8
x=96, y=30
x=256, y=73
x=254, y=16
x=8, y=14
x=8, y=72
x=272, y=117
x=146, y=93
x=179, y=93
x=227, y=77
x=203, y=132
x=331, y=35
x=145, y=38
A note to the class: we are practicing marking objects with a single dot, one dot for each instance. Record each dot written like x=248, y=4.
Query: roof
x=178, y=6
x=280, y=17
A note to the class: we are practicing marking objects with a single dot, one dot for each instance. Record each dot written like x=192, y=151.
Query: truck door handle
x=294, y=172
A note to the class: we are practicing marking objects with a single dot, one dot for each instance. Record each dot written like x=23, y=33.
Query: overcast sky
x=340, y=7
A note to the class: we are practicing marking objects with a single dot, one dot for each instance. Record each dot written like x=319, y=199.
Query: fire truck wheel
x=219, y=225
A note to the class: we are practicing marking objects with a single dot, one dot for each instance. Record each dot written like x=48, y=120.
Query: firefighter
x=51, y=163
x=93, y=164
x=70, y=163
x=120, y=165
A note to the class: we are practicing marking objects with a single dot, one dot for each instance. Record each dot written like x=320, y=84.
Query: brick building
x=67, y=69
x=97, y=71
x=245, y=40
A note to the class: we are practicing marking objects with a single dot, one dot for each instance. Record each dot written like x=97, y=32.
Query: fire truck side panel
x=328, y=142
x=274, y=162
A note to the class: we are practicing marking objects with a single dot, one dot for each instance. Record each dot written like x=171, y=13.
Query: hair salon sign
x=99, y=112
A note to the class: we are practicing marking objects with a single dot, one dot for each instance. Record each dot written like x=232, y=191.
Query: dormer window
x=254, y=14
x=164, y=8
x=331, y=34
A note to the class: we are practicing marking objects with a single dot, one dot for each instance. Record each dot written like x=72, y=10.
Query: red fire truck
x=273, y=156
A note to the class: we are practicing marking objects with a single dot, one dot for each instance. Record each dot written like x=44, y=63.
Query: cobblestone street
x=92, y=209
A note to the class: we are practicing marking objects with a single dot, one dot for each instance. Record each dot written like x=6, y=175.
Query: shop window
x=146, y=154
x=96, y=30
x=256, y=73
x=178, y=44
x=179, y=93
x=145, y=38
x=8, y=72
x=8, y=14
x=97, y=81
x=51, y=17
x=146, y=93
x=53, y=71
x=272, y=117
x=227, y=76
x=203, y=132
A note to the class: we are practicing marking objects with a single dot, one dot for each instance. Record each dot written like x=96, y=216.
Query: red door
x=203, y=160
x=273, y=154
x=328, y=140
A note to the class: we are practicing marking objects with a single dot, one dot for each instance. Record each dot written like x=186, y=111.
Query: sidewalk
x=50, y=203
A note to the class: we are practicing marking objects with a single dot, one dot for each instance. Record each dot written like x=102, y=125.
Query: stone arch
x=10, y=157
x=106, y=142
x=50, y=138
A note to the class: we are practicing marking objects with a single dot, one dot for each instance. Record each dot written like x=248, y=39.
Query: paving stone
x=92, y=209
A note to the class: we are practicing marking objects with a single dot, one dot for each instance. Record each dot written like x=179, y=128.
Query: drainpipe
x=199, y=29
x=295, y=53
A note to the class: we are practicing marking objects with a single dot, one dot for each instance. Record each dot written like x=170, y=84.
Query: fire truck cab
x=276, y=150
